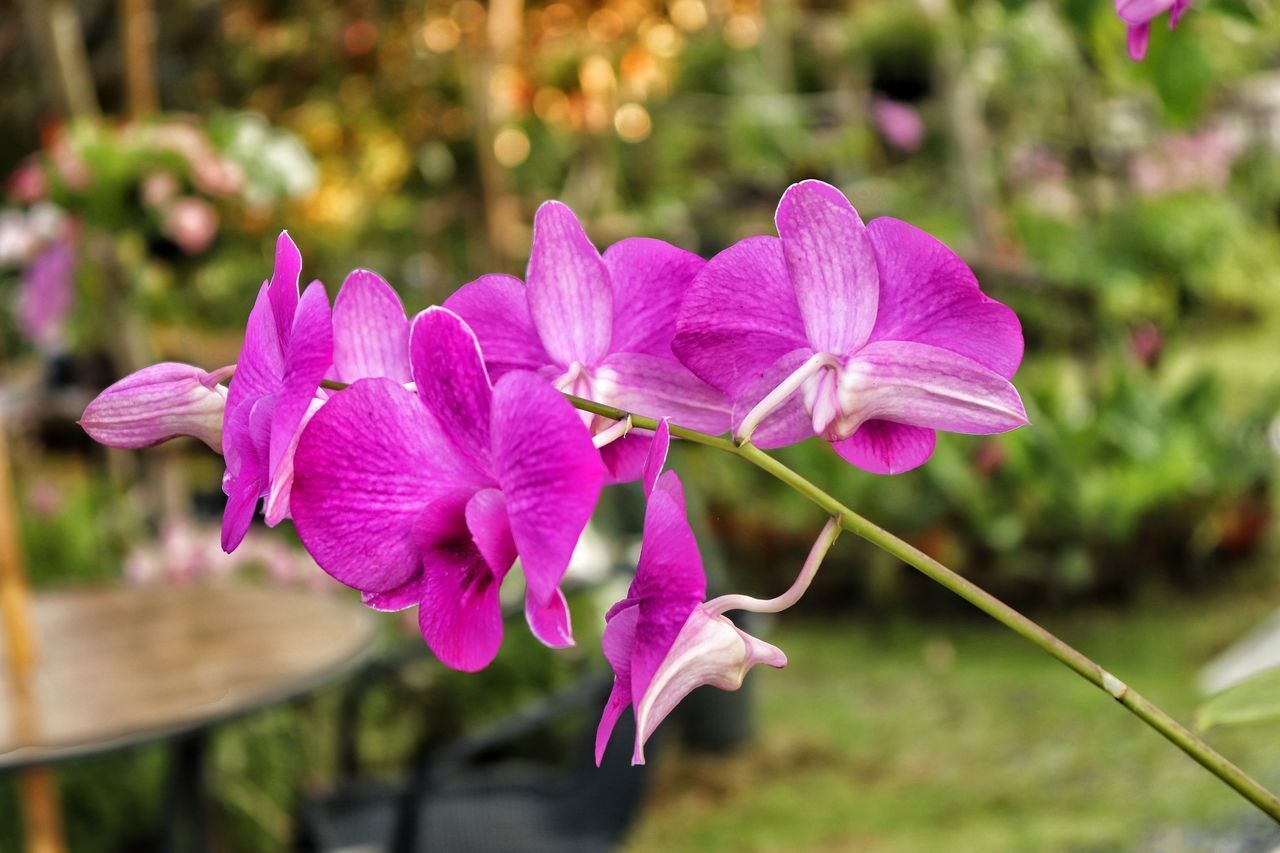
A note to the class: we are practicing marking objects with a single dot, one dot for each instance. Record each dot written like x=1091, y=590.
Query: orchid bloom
x=597, y=326
x=288, y=347
x=663, y=640
x=158, y=403
x=46, y=295
x=870, y=336
x=426, y=497
x=1138, y=15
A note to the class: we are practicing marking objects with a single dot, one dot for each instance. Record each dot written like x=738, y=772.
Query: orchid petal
x=246, y=481
x=662, y=387
x=549, y=472
x=1139, y=36
x=261, y=362
x=156, y=404
x=740, y=316
x=284, y=285
x=669, y=580
x=649, y=279
x=930, y=296
x=486, y=515
x=618, y=641
x=496, y=307
x=884, y=447
x=1136, y=12
x=460, y=615
x=367, y=465
x=787, y=424
x=276, y=507
x=570, y=298
x=624, y=459
x=309, y=354
x=657, y=456
x=832, y=266
x=395, y=600
x=370, y=331
x=928, y=386
x=550, y=622
x=708, y=649
x=452, y=381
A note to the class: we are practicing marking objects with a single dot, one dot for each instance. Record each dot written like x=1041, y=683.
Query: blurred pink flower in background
x=46, y=294
x=28, y=182
x=1190, y=161
x=898, y=124
x=159, y=188
x=45, y=498
x=190, y=222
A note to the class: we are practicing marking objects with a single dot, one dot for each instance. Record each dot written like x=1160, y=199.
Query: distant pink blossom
x=1182, y=162
x=46, y=295
x=1138, y=15
x=899, y=124
x=190, y=222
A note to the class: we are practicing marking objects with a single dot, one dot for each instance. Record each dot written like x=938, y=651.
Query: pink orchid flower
x=870, y=336
x=1138, y=15
x=426, y=497
x=597, y=326
x=662, y=640
x=158, y=403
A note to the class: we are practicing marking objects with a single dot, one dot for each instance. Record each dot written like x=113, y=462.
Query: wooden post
x=58, y=40
x=138, y=42
x=40, y=811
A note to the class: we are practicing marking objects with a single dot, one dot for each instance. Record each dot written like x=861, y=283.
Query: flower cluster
x=419, y=459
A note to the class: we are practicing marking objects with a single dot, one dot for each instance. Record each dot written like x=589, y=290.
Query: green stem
x=1145, y=710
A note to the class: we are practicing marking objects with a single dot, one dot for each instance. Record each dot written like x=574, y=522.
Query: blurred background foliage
x=1129, y=213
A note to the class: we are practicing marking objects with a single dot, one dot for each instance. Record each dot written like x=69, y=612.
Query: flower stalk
x=1033, y=632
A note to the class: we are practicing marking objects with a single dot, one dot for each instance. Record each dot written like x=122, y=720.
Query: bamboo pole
x=42, y=818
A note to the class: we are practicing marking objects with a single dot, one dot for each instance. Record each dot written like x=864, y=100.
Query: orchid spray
x=421, y=459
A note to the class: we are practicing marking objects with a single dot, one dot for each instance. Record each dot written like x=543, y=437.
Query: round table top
x=121, y=666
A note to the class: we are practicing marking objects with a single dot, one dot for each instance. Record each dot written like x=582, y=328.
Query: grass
x=903, y=736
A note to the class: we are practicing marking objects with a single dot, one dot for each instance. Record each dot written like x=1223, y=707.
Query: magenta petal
x=308, y=356
x=550, y=622
x=261, y=364
x=246, y=479
x=1136, y=12
x=669, y=582
x=276, y=507
x=618, y=641
x=496, y=307
x=789, y=423
x=929, y=295
x=570, y=298
x=368, y=464
x=370, y=331
x=486, y=515
x=624, y=459
x=832, y=266
x=930, y=387
x=156, y=404
x=657, y=456
x=284, y=284
x=659, y=387
x=242, y=502
x=452, y=381
x=884, y=447
x=1139, y=36
x=649, y=279
x=549, y=472
x=460, y=615
x=395, y=600
x=739, y=316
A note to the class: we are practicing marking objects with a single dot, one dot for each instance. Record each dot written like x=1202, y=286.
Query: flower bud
x=158, y=403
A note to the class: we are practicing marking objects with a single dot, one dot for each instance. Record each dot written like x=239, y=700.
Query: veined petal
x=787, y=424
x=156, y=404
x=395, y=600
x=307, y=359
x=669, y=580
x=460, y=615
x=928, y=386
x=285, y=279
x=247, y=472
x=486, y=515
x=884, y=447
x=832, y=266
x=261, y=364
x=496, y=307
x=930, y=296
x=624, y=459
x=618, y=641
x=660, y=387
x=649, y=279
x=370, y=331
x=276, y=508
x=367, y=466
x=570, y=298
x=452, y=381
x=549, y=473
x=657, y=457
x=549, y=622
x=739, y=316
x=708, y=649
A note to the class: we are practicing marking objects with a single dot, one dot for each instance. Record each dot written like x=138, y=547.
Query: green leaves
x=1256, y=699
